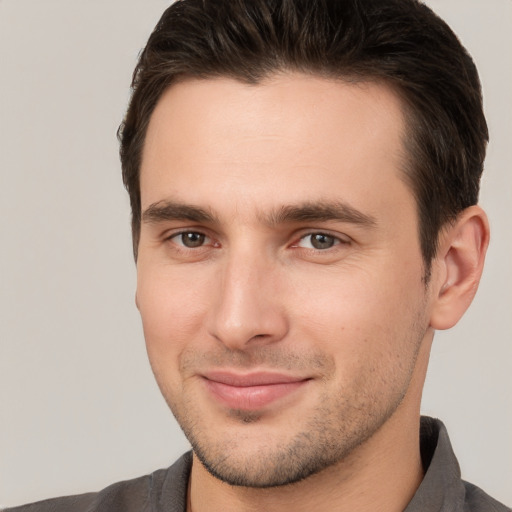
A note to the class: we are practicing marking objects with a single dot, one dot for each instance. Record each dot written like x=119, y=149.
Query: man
x=303, y=179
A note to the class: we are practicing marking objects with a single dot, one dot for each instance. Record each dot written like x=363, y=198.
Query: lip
x=251, y=391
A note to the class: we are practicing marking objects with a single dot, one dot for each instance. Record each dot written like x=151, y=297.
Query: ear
x=458, y=267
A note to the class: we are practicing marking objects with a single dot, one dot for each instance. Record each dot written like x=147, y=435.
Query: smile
x=253, y=391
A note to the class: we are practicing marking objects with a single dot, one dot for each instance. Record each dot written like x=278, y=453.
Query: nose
x=248, y=305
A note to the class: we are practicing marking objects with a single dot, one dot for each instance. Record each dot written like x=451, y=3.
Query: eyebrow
x=171, y=210
x=318, y=211
x=321, y=211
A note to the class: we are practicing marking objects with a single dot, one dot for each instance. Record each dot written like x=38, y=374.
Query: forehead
x=294, y=135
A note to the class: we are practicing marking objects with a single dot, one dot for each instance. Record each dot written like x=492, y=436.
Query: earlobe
x=459, y=266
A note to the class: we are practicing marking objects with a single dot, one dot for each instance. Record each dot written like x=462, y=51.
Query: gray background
x=78, y=405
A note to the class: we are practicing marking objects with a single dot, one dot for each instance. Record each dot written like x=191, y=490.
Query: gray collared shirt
x=165, y=490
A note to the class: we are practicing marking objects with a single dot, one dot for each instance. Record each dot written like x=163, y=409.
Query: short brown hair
x=399, y=42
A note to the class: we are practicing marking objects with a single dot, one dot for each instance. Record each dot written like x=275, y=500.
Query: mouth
x=253, y=391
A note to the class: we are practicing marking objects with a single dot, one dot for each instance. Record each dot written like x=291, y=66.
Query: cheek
x=364, y=319
x=172, y=309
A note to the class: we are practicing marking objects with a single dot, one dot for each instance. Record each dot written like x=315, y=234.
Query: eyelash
x=337, y=240
x=174, y=236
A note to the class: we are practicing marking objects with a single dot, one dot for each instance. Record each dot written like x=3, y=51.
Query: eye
x=190, y=239
x=318, y=241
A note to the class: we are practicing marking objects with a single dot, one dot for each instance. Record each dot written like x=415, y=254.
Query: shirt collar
x=442, y=489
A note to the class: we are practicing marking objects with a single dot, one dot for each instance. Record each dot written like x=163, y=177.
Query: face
x=279, y=270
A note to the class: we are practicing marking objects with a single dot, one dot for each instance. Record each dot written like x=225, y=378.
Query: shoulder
x=123, y=496
x=139, y=494
x=479, y=501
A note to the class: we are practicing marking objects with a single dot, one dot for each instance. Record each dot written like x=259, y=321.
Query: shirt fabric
x=165, y=490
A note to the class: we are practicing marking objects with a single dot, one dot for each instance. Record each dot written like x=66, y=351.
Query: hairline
x=409, y=115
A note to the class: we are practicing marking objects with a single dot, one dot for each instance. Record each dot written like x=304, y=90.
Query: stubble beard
x=333, y=431
x=315, y=448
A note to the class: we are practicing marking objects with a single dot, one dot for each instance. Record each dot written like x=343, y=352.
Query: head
x=298, y=173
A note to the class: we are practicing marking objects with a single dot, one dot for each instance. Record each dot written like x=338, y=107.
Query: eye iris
x=192, y=239
x=322, y=241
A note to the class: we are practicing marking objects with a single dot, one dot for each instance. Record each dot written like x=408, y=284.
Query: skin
x=239, y=184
